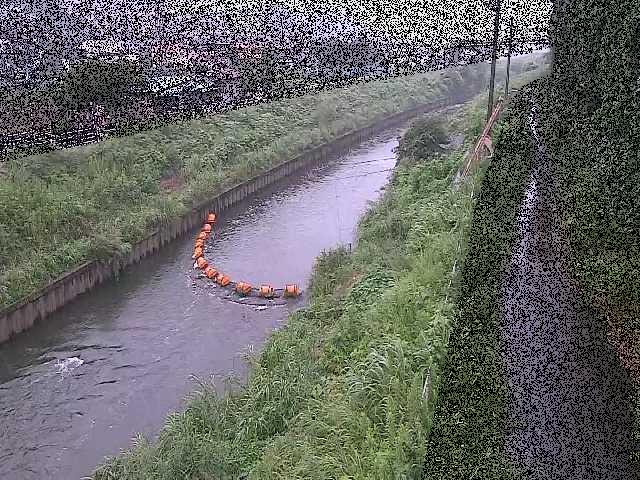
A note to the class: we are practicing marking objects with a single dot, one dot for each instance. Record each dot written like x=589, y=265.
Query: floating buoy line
x=243, y=289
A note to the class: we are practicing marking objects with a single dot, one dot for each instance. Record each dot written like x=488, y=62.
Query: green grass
x=338, y=392
x=62, y=208
x=467, y=438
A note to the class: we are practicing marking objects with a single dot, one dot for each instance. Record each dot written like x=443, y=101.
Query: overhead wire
x=373, y=161
x=367, y=173
x=357, y=163
x=363, y=174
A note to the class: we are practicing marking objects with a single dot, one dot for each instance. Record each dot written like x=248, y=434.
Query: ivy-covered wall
x=592, y=110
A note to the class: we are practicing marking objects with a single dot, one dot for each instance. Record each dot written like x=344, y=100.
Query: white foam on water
x=66, y=365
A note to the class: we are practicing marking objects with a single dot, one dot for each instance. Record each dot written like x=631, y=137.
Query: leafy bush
x=423, y=140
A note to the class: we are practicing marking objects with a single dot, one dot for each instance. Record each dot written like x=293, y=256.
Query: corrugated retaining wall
x=22, y=315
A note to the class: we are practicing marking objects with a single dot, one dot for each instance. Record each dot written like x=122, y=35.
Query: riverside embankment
x=560, y=407
x=340, y=391
x=121, y=199
x=532, y=388
x=116, y=361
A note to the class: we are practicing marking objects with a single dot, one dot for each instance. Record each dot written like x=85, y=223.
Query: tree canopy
x=95, y=81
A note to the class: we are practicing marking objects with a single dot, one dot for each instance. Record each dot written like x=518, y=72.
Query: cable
x=364, y=174
x=372, y=161
x=328, y=165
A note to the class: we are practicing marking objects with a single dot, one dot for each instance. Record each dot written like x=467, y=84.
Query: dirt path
x=569, y=406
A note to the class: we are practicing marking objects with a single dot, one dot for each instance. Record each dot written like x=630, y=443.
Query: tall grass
x=62, y=208
x=338, y=392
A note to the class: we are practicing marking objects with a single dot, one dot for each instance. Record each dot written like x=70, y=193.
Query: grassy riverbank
x=62, y=208
x=338, y=392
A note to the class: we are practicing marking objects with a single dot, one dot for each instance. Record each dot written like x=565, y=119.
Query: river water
x=82, y=383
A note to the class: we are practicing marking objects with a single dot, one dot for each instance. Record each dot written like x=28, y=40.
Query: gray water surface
x=82, y=383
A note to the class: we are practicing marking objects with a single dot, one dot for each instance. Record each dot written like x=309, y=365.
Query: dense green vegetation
x=591, y=122
x=62, y=208
x=467, y=437
x=96, y=81
x=591, y=125
x=338, y=393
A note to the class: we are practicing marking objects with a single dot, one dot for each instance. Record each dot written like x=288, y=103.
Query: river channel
x=116, y=361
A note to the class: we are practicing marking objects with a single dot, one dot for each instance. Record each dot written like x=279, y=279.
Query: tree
x=97, y=81
x=264, y=73
x=423, y=139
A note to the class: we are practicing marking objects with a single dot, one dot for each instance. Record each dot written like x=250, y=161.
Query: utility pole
x=506, y=87
x=494, y=57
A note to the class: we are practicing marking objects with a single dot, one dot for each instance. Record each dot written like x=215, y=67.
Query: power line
x=372, y=161
x=363, y=174
x=329, y=165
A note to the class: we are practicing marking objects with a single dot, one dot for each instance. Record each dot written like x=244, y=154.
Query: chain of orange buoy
x=241, y=288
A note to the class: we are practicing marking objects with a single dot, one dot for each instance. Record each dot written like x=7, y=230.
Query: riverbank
x=98, y=201
x=343, y=388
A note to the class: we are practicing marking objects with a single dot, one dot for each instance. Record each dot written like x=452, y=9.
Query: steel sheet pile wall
x=22, y=315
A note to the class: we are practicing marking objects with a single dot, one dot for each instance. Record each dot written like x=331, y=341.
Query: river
x=116, y=361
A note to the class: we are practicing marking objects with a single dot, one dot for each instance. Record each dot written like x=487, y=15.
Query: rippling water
x=116, y=361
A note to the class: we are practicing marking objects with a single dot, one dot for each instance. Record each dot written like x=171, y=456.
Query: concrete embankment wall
x=22, y=315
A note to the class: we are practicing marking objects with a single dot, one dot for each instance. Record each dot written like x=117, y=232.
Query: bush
x=424, y=139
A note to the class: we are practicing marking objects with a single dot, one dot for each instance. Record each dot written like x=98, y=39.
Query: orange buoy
x=266, y=291
x=206, y=228
x=203, y=235
x=199, y=243
x=211, y=218
x=197, y=253
x=291, y=291
x=223, y=280
x=201, y=263
x=210, y=272
x=243, y=288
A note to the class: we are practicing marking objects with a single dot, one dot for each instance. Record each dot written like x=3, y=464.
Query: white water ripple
x=66, y=365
